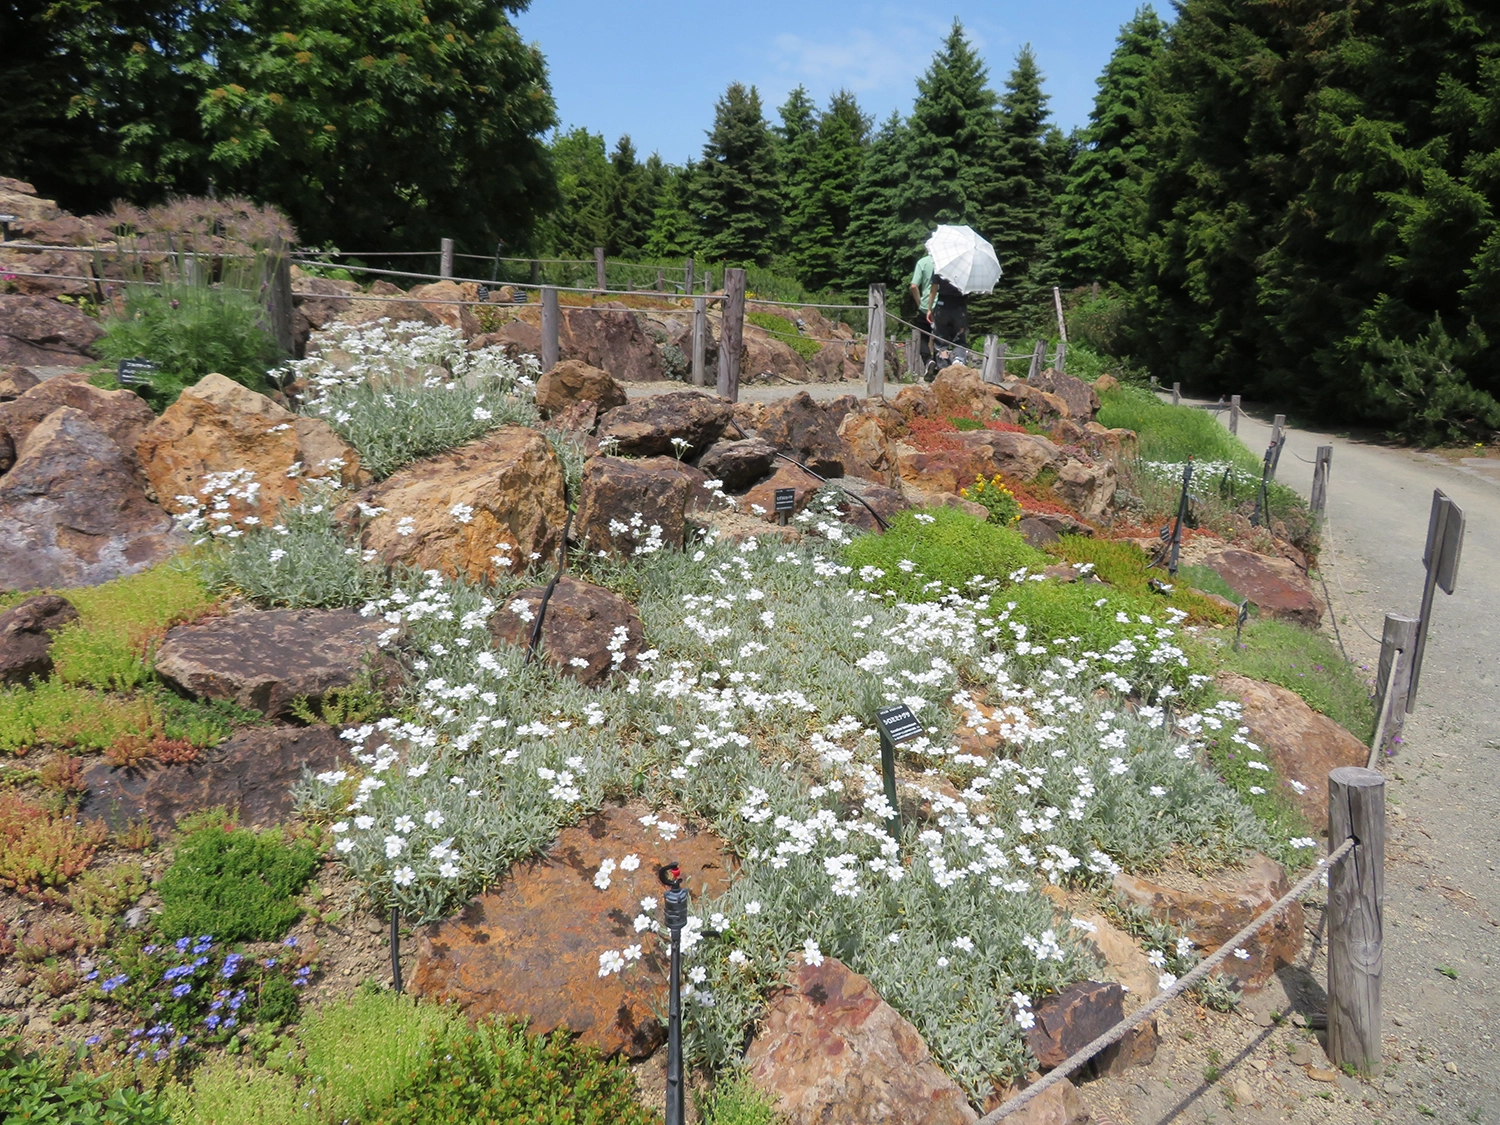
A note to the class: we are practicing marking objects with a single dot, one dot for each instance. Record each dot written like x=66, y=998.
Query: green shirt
x=921, y=277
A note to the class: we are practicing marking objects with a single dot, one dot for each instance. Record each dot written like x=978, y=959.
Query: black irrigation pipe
x=541, y=610
x=852, y=495
x=396, y=947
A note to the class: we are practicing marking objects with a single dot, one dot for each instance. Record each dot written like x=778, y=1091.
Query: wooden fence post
x=661, y=281
x=700, y=338
x=988, y=372
x=445, y=258
x=1234, y=414
x=1356, y=917
x=1321, y=468
x=536, y=272
x=279, y=298
x=1038, y=357
x=875, y=344
x=689, y=277
x=731, y=334
x=1062, y=352
x=914, y=355
x=1398, y=644
x=551, y=319
x=1278, y=427
x=599, y=280
x=1176, y=394
x=1062, y=325
x=708, y=280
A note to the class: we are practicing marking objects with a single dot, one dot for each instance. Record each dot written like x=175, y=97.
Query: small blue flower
x=183, y=943
x=92, y=1039
x=114, y=982
x=182, y=990
x=150, y=949
x=212, y=1023
x=269, y=963
x=204, y=943
x=93, y=976
x=290, y=941
x=230, y=1022
x=159, y=1055
x=231, y=966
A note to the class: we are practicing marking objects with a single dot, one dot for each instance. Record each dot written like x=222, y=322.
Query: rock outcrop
x=26, y=632
x=493, y=506
x=801, y=429
x=1275, y=586
x=648, y=427
x=588, y=632
x=570, y=382
x=626, y=507
x=39, y=330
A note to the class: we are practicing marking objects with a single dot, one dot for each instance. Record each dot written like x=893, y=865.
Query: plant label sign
x=786, y=500
x=483, y=293
x=898, y=724
x=135, y=372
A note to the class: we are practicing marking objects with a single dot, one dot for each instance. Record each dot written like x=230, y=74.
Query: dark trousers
x=950, y=331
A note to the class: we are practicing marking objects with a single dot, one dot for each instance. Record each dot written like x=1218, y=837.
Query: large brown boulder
x=885, y=501
x=121, y=415
x=1275, y=586
x=73, y=509
x=19, y=198
x=1070, y=1020
x=867, y=451
x=830, y=1051
x=977, y=453
x=39, y=330
x=495, y=506
x=621, y=502
x=801, y=429
x=610, y=339
x=1019, y=455
x=15, y=381
x=444, y=302
x=738, y=464
x=763, y=356
x=263, y=661
x=321, y=299
x=760, y=501
x=647, y=426
x=1302, y=745
x=63, y=274
x=1214, y=910
x=1087, y=489
x=218, y=426
x=1082, y=402
x=385, y=301
x=959, y=391
x=253, y=774
x=588, y=632
x=572, y=381
x=531, y=947
x=26, y=631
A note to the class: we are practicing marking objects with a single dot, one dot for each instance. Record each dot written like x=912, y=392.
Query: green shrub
x=498, y=1073
x=1002, y=504
x=735, y=1101
x=1173, y=433
x=1308, y=664
x=36, y=1088
x=925, y=555
x=189, y=330
x=234, y=884
x=59, y=715
x=109, y=646
x=784, y=330
x=1123, y=565
x=223, y=1092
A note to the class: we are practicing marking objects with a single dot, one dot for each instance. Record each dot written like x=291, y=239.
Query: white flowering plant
x=403, y=391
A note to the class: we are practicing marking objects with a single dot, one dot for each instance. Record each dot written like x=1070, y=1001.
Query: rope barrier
x=1197, y=973
x=1327, y=531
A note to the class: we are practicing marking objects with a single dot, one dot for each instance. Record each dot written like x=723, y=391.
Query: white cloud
x=861, y=60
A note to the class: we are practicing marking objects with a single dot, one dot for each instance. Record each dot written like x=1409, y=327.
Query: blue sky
x=653, y=68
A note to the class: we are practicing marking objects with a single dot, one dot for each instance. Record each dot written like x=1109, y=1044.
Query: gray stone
x=647, y=426
x=26, y=636
x=739, y=464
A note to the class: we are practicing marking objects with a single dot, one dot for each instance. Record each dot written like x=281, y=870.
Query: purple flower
x=183, y=943
x=290, y=941
x=212, y=1023
x=92, y=1039
x=269, y=963
x=203, y=944
x=159, y=1055
x=150, y=949
x=93, y=976
x=182, y=990
x=231, y=966
x=114, y=982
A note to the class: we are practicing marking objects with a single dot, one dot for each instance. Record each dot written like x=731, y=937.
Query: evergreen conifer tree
x=737, y=190
x=821, y=213
x=1103, y=205
x=633, y=188
x=1021, y=221
x=675, y=230
x=581, y=219
x=876, y=246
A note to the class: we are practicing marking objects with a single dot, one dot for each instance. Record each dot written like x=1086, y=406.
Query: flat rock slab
x=26, y=633
x=587, y=631
x=263, y=661
x=252, y=773
x=1215, y=909
x=1303, y=746
x=531, y=946
x=647, y=426
x=1275, y=586
x=832, y=1052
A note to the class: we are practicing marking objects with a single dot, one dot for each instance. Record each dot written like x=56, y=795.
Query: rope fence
x=1083, y=1055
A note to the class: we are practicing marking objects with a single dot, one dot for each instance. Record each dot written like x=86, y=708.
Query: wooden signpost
x=1445, y=542
x=551, y=318
x=897, y=725
x=731, y=334
x=875, y=344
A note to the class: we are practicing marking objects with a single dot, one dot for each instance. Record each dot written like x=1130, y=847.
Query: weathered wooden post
x=731, y=334
x=551, y=320
x=700, y=339
x=1398, y=645
x=661, y=281
x=536, y=272
x=1062, y=325
x=1322, y=465
x=1038, y=357
x=875, y=344
x=279, y=298
x=688, y=277
x=599, y=280
x=1445, y=541
x=708, y=280
x=1278, y=439
x=445, y=258
x=914, y=355
x=991, y=355
x=1356, y=916
x=1234, y=414
x=1176, y=394
x=1062, y=352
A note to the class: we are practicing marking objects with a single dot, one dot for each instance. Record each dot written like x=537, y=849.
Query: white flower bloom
x=403, y=876
x=811, y=953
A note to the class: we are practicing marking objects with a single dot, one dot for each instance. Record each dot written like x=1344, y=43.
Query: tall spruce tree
x=877, y=247
x=821, y=214
x=1022, y=220
x=1103, y=204
x=675, y=229
x=737, y=190
x=633, y=188
x=796, y=140
x=581, y=219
